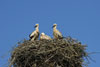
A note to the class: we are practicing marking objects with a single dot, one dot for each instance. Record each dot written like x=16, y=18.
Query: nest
x=66, y=52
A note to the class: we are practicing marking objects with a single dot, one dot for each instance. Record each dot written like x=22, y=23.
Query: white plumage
x=35, y=34
x=43, y=36
x=56, y=33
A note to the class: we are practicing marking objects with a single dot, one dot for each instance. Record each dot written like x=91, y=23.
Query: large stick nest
x=66, y=52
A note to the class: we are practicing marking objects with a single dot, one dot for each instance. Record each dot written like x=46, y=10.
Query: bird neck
x=37, y=29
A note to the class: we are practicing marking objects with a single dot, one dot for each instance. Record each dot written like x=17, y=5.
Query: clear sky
x=79, y=19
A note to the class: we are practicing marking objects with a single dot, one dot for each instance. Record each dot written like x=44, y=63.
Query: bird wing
x=35, y=36
x=58, y=33
x=32, y=34
x=48, y=37
x=45, y=37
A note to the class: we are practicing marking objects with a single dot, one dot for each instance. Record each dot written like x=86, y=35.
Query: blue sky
x=79, y=19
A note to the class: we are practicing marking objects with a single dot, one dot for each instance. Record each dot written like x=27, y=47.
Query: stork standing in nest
x=56, y=33
x=44, y=37
x=35, y=34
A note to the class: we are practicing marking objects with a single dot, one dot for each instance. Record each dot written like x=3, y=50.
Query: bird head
x=54, y=25
x=36, y=25
x=42, y=33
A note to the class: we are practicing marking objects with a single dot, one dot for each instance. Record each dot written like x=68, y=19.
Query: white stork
x=56, y=33
x=43, y=36
x=35, y=34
